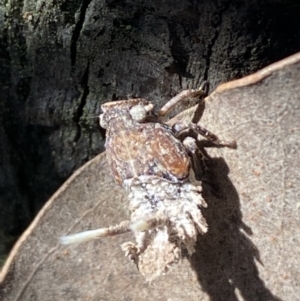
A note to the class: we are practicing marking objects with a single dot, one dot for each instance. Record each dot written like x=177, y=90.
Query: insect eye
x=102, y=121
x=138, y=113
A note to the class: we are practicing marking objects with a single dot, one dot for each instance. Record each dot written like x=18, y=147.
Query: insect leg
x=121, y=228
x=182, y=96
x=197, y=157
x=198, y=129
x=133, y=250
x=156, y=221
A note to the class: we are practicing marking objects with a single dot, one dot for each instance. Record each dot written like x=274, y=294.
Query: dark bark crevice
x=79, y=112
x=216, y=25
x=77, y=31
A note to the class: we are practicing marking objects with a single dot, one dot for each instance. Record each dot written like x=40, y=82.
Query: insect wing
x=146, y=149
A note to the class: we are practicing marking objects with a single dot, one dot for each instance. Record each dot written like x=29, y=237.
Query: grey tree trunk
x=61, y=59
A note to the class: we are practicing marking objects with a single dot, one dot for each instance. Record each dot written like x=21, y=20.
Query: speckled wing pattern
x=145, y=149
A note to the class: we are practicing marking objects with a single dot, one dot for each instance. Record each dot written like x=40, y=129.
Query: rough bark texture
x=61, y=59
x=252, y=249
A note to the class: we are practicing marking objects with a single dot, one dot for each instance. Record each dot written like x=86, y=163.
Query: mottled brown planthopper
x=150, y=161
x=137, y=149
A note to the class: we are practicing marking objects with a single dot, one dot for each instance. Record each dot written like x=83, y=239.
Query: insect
x=149, y=160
